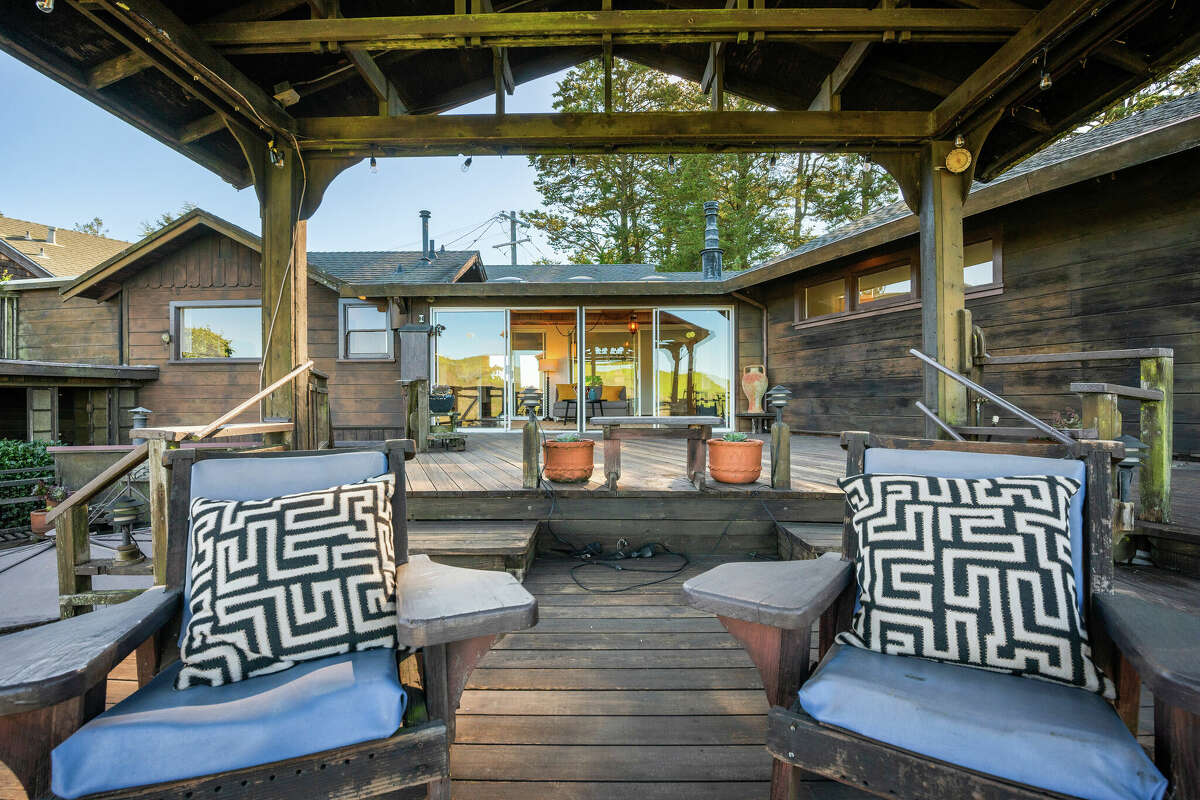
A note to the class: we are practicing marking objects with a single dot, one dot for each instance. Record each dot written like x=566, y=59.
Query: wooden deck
x=615, y=694
x=492, y=464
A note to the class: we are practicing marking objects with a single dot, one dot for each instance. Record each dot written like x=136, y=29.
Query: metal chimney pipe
x=431, y=252
x=50, y=229
x=711, y=255
x=424, y=230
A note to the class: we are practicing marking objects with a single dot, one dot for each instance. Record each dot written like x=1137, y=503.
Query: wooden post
x=437, y=699
x=421, y=434
x=697, y=454
x=71, y=531
x=159, y=483
x=284, y=295
x=1157, y=435
x=529, y=455
x=612, y=456
x=781, y=456
x=1100, y=412
x=941, y=284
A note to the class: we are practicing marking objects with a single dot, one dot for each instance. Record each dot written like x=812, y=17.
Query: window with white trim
x=229, y=330
x=364, y=331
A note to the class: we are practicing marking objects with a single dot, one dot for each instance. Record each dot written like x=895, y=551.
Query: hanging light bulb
x=374, y=166
x=45, y=6
x=671, y=163
x=1046, y=81
x=466, y=165
x=571, y=162
x=772, y=161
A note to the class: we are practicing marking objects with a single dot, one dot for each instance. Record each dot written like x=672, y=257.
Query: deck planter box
x=735, y=462
x=441, y=403
x=568, y=462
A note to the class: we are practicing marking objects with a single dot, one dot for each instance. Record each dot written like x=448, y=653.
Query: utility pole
x=513, y=241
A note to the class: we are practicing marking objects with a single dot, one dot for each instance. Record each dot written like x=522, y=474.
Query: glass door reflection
x=544, y=349
x=617, y=358
x=694, y=359
x=471, y=356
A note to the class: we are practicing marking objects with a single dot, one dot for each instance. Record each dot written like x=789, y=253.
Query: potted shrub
x=568, y=459
x=595, y=388
x=735, y=458
x=52, y=495
x=441, y=400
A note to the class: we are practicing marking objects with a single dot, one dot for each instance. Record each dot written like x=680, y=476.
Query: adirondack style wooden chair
x=903, y=727
x=329, y=727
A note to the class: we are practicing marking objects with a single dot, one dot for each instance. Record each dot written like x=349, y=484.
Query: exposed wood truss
x=567, y=28
x=606, y=133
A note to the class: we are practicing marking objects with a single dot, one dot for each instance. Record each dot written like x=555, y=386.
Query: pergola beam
x=390, y=103
x=566, y=28
x=607, y=133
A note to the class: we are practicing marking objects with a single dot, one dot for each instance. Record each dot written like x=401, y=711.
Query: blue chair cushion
x=263, y=478
x=158, y=734
x=1033, y=732
x=956, y=464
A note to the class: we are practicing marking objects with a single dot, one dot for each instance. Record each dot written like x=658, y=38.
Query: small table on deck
x=760, y=421
x=696, y=430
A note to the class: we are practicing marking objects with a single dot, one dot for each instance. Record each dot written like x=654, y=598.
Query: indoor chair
x=907, y=727
x=327, y=727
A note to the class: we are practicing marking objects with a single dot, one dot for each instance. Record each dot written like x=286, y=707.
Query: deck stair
x=809, y=539
x=479, y=544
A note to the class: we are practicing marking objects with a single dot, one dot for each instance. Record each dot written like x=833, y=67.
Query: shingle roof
x=557, y=273
x=73, y=253
x=1082, y=144
x=380, y=266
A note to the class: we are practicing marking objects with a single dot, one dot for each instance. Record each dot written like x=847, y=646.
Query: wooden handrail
x=1152, y=395
x=102, y=481
x=240, y=407
x=1097, y=355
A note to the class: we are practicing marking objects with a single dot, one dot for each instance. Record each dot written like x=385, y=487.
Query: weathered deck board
x=492, y=463
x=615, y=696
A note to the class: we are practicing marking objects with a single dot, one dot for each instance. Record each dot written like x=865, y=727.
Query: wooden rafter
x=566, y=28
x=390, y=103
x=603, y=133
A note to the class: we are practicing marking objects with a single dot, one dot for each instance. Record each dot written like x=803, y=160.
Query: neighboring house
x=1049, y=249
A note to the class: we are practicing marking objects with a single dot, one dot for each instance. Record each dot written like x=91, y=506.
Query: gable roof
x=72, y=253
x=395, y=266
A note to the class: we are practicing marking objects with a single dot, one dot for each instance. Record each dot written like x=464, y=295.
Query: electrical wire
x=46, y=546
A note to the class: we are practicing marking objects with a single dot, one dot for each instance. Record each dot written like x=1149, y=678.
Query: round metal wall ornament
x=958, y=159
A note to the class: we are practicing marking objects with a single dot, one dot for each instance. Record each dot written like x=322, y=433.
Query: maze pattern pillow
x=289, y=579
x=970, y=571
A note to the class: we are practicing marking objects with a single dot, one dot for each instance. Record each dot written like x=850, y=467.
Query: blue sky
x=66, y=161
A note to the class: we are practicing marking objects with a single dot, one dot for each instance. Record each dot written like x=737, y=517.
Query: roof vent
x=28, y=236
x=580, y=278
x=41, y=252
x=50, y=229
x=508, y=279
x=653, y=278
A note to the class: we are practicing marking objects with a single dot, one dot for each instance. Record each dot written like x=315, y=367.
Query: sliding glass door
x=695, y=357
x=471, y=362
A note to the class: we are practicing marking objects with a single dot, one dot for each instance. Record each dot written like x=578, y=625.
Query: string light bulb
x=374, y=166
x=1046, y=81
x=571, y=162
x=466, y=165
x=772, y=161
x=671, y=163
x=45, y=6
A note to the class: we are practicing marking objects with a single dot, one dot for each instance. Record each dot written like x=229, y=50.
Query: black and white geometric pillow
x=970, y=571
x=288, y=579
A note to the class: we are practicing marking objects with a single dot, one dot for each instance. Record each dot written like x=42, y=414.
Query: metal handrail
x=996, y=399
x=924, y=409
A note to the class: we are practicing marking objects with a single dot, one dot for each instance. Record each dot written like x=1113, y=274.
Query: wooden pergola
x=285, y=94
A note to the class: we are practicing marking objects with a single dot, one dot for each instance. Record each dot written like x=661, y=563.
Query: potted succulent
x=568, y=459
x=441, y=400
x=52, y=495
x=595, y=388
x=735, y=458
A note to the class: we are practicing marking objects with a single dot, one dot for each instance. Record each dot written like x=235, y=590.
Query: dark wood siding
x=210, y=268
x=1111, y=263
x=78, y=331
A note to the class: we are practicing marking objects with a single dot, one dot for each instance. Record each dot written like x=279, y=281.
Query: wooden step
x=479, y=544
x=809, y=539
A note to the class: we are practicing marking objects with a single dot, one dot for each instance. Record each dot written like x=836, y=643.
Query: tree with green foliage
x=627, y=208
x=164, y=219
x=95, y=227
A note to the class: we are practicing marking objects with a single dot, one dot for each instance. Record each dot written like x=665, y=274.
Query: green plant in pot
x=595, y=388
x=568, y=458
x=735, y=458
x=52, y=494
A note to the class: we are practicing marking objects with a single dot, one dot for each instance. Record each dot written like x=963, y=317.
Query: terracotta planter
x=37, y=522
x=568, y=462
x=735, y=462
